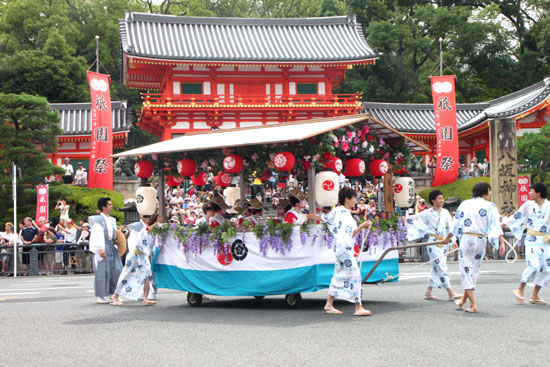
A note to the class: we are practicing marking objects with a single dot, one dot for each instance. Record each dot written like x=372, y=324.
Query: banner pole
x=97, y=54
x=440, y=56
x=14, y=196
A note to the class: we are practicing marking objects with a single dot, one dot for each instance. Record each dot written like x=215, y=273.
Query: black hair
x=480, y=189
x=152, y=219
x=293, y=200
x=215, y=207
x=346, y=193
x=540, y=188
x=102, y=202
x=433, y=195
x=288, y=207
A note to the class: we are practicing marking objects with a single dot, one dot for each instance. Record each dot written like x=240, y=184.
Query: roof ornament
x=129, y=16
x=352, y=20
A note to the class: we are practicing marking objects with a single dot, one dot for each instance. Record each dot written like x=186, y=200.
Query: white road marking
x=44, y=289
x=18, y=293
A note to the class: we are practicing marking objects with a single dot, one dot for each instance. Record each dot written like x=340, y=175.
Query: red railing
x=247, y=100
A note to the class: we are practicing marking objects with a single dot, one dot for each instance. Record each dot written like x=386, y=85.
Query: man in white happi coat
x=535, y=216
x=106, y=258
x=477, y=221
x=434, y=223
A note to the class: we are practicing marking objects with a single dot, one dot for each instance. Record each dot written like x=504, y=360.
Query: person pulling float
x=346, y=281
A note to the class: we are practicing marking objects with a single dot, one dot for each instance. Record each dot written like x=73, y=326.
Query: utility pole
x=440, y=56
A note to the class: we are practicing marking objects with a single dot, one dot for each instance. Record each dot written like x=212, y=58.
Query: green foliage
x=27, y=124
x=533, y=152
x=461, y=188
x=82, y=202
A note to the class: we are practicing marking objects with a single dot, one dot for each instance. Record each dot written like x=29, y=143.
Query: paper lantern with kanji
x=355, y=167
x=200, y=180
x=224, y=179
x=404, y=192
x=143, y=169
x=284, y=161
x=378, y=167
x=146, y=200
x=172, y=181
x=326, y=188
x=233, y=164
x=187, y=167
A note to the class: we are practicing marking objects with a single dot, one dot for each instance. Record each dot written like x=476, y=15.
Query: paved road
x=49, y=321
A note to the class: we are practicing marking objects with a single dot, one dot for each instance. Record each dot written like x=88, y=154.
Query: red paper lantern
x=144, y=169
x=233, y=164
x=378, y=167
x=355, y=167
x=224, y=179
x=336, y=165
x=172, y=181
x=284, y=161
x=187, y=167
x=200, y=180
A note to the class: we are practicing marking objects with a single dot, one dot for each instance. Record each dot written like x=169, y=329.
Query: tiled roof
x=419, y=118
x=328, y=39
x=76, y=118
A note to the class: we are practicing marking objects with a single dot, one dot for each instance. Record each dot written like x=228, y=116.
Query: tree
x=533, y=152
x=28, y=131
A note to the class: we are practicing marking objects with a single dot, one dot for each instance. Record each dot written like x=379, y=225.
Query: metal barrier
x=42, y=259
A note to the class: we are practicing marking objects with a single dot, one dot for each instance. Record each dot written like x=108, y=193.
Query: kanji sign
x=41, y=202
x=443, y=93
x=523, y=189
x=101, y=163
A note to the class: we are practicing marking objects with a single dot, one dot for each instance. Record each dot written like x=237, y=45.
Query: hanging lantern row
x=282, y=161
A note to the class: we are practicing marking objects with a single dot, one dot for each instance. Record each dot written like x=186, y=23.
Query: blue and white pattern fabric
x=477, y=216
x=346, y=281
x=537, y=251
x=430, y=222
x=137, y=269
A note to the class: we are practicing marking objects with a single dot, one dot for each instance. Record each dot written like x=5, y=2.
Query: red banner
x=101, y=164
x=523, y=189
x=446, y=130
x=41, y=202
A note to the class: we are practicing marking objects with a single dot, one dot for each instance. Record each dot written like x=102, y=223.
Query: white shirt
x=97, y=237
x=81, y=176
x=134, y=237
x=68, y=169
x=71, y=237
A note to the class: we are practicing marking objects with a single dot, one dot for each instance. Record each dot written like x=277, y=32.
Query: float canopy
x=267, y=134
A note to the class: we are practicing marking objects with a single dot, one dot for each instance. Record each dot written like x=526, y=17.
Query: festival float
x=273, y=258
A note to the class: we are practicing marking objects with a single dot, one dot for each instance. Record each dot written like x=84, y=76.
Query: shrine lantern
x=233, y=164
x=326, y=188
x=378, y=167
x=200, y=180
x=173, y=181
x=187, y=167
x=146, y=200
x=284, y=161
x=404, y=192
x=143, y=169
x=355, y=167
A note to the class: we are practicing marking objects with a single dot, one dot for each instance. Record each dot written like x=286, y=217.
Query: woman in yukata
x=435, y=223
x=535, y=216
x=346, y=281
x=477, y=221
x=136, y=276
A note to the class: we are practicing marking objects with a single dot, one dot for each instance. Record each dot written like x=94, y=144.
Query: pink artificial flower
x=349, y=134
x=335, y=144
x=385, y=156
x=355, y=140
x=345, y=147
x=365, y=130
x=381, y=142
x=255, y=156
x=354, y=148
x=272, y=156
x=315, y=158
x=204, y=164
x=364, y=144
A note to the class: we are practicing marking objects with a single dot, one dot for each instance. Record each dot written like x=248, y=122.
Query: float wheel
x=259, y=297
x=194, y=299
x=293, y=300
